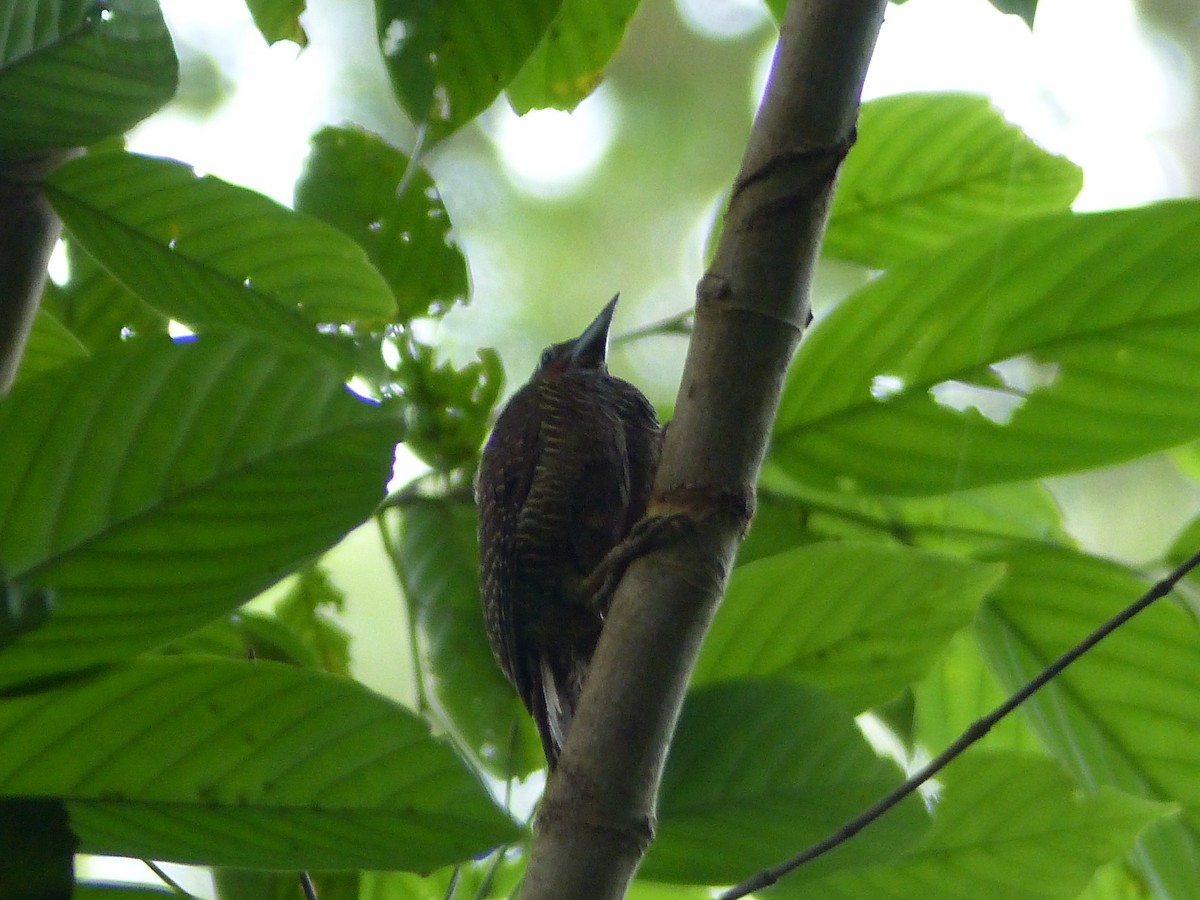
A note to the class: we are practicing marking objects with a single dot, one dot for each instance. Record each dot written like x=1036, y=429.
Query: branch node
x=790, y=179
x=636, y=834
x=712, y=289
x=704, y=503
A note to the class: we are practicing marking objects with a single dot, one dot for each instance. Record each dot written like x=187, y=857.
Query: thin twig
x=306, y=885
x=973, y=733
x=423, y=706
x=168, y=880
x=680, y=324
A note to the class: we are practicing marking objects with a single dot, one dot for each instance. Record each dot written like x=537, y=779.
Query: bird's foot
x=647, y=535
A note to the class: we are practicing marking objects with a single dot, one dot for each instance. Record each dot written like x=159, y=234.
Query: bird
x=563, y=479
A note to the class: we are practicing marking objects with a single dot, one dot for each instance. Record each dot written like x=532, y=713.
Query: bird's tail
x=560, y=689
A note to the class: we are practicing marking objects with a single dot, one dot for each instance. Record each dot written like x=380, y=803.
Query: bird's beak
x=591, y=347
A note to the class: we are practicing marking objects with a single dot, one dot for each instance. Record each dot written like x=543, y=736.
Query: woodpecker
x=565, y=475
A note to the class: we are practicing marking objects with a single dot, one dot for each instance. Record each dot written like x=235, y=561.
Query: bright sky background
x=1089, y=83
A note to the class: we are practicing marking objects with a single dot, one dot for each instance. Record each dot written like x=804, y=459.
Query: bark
x=597, y=815
x=28, y=231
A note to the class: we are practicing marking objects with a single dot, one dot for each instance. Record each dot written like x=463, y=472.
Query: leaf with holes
x=1046, y=346
x=352, y=180
x=158, y=485
x=570, y=60
x=258, y=765
x=449, y=60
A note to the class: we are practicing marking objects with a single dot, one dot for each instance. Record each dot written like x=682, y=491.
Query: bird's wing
x=505, y=481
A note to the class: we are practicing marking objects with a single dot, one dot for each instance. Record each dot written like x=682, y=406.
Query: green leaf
x=760, y=769
x=1186, y=545
x=929, y=167
x=449, y=60
x=75, y=71
x=104, y=891
x=1116, y=881
x=211, y=254
x=257, y=884
x=1006, y=827
x=653, y=890
x=49, y=346
x=303, y=611
x=449, y=409
x=570, y=60
x=377, y=196
x=279, y=20
x=95, y=307
x=859, y=621
x=1025, y=9
x=958, y=692
x=477, y=879
x=37, y=850
x=438, y=561
x=1125, y=714
x=245, y=764
x=962, y=522
x=159, y=485
x=1050, y=345
x=247, y=635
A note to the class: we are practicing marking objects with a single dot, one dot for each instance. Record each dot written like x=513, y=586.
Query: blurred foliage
x=907, y=559
x=448, y=409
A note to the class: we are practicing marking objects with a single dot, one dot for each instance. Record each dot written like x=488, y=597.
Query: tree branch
x=28, y=231
x=597, y=815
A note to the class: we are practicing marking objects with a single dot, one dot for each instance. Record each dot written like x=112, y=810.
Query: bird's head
x=585, y=353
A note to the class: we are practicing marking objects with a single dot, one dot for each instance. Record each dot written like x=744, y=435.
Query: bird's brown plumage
x=565, y=475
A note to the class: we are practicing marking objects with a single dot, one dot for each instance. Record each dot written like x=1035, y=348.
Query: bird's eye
x=547, y=357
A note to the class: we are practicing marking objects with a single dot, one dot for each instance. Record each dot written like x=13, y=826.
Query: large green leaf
x=1006, y=828
x=928, y=167
x=252, y=764
x=49, y=346
x=353, y=181
x=570, y=60
x=1077, y=336
x=790, y=513
x=450, y=59
x=74, y=71
x=211, y=254
x=159, y=485
x=438, y=561
x=758, y=770
x=1125, y=715
x=861, y=621
x=95, y=307
x=959, y=691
